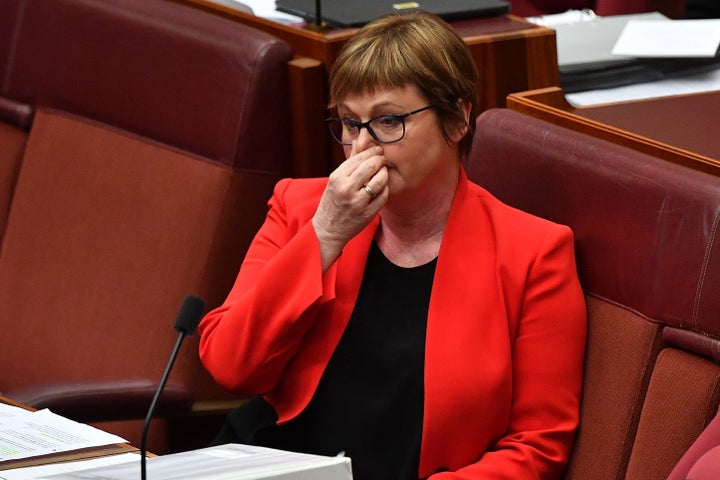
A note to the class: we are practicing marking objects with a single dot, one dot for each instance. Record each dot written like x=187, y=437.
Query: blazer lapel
x=466, y=311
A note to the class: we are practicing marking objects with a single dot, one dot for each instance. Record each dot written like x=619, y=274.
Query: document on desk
x=266, y=9
x=40, y=471
x=669, y=39
x=26, y=434
x=225, y=462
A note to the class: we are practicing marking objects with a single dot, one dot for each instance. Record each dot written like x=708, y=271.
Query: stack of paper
x=33, y=437
x=669, y=39
x=225, y=462
x=32, y=443
x=42, y=471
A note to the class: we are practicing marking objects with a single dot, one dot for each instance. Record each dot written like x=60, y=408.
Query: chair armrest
x=16, y=113
x=107, y=400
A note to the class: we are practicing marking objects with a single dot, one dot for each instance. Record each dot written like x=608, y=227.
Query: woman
x=395, y=311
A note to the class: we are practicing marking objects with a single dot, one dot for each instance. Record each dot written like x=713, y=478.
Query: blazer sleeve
x=246, y=343
x=547, y=368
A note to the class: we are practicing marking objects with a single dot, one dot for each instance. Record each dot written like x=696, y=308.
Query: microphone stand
x=153, y=406
x=318, y=25
x=186, y=323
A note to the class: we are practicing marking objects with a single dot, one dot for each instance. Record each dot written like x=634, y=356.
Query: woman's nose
x=364, y=140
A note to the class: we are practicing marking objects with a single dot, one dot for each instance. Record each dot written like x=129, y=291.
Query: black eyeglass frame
x=366, y=125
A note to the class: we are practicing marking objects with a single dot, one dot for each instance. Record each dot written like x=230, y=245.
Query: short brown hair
x=415, y=48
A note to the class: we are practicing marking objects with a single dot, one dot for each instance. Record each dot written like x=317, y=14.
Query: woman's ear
x=462, y=130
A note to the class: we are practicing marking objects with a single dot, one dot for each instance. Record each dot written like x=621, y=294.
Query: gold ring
x=370, y=191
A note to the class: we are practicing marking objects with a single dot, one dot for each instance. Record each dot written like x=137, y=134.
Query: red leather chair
x=144, y=138
x=702, y=460
x=647, y=243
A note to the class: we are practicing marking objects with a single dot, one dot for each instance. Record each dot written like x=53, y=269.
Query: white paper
x=33, y=473
x=563, y=18
x=225, y=462
x=266, y=9
x=25, y=434
x=669, y=39
x=7, y=410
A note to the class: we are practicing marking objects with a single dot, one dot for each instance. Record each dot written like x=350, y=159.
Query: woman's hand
x=355, y=193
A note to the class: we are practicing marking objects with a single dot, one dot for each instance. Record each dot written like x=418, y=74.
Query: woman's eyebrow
x=374, y=110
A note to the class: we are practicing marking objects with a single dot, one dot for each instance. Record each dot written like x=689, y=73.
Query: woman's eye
x=350, y=125
x=388, y=121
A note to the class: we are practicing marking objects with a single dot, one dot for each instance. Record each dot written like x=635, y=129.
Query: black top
x=369, y=403
x=695, y=9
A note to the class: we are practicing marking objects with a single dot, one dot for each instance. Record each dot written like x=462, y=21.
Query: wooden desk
x=511, y=54
x=679, y=129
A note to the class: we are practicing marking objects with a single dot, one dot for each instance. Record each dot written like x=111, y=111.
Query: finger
x=377, y=185
x=354, y=151
x=348, y=167
x=370, y=191
x=355, y=161
x=376, y=204
x=367, y=170
x=378, y=181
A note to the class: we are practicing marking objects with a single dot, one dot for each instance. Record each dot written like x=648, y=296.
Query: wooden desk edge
x=10, y=401
x=325, y=45
x=71, y=456
x=214, y=407
x=549, y=104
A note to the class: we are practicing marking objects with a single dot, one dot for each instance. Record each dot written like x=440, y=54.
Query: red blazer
x=505, y=331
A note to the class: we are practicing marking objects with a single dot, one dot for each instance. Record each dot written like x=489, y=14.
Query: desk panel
x=678, y=129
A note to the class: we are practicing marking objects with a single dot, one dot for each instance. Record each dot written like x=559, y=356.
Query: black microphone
x=186, y=323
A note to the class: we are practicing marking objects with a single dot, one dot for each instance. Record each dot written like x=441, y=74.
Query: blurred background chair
x=531, y=8
x=140, y=141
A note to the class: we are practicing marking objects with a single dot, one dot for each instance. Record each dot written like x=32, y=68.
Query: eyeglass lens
x=384, y=129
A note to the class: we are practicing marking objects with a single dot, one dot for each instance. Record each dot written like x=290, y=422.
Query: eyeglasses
x=383, y=128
